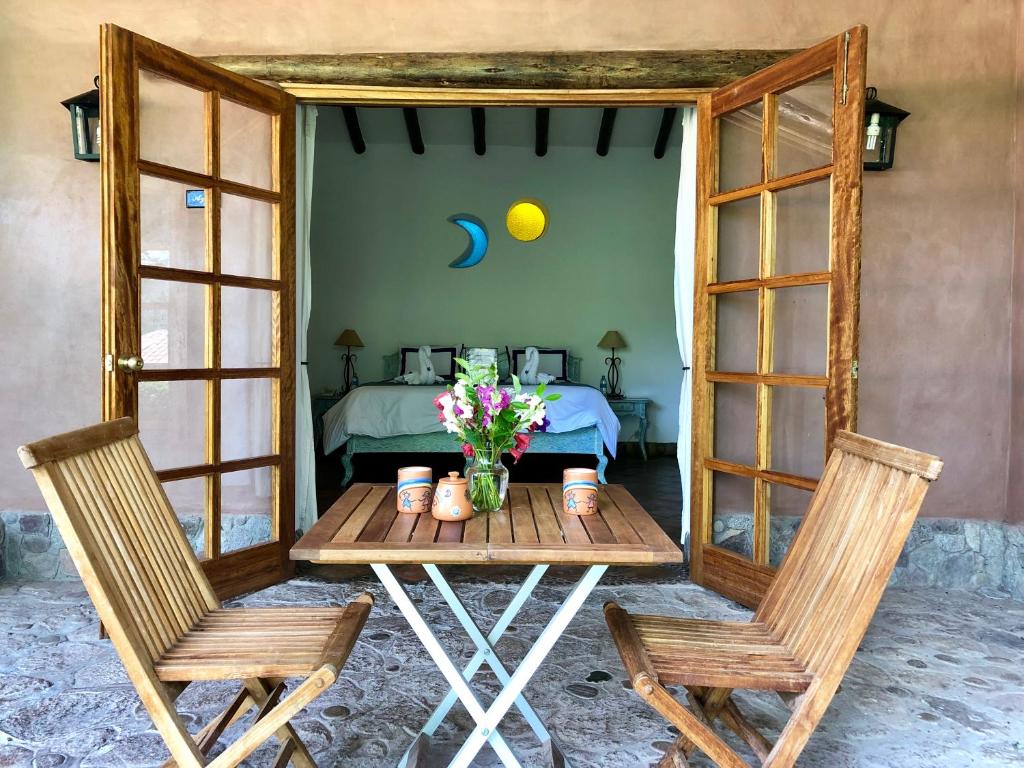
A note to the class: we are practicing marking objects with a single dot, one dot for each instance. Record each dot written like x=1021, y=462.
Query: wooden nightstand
x=634, y=406
x=322, y=403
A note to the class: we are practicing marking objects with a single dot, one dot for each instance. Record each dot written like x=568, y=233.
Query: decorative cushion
x=443, y=358
x=553, y=361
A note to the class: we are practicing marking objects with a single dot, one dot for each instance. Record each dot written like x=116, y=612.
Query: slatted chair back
x=829, y=585
x=122, y=535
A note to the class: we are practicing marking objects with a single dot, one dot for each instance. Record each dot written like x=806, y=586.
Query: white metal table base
x=512, y=685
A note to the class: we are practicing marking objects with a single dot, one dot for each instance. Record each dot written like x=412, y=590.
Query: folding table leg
x=485, y=728
x=444, y=664
x=485, y=645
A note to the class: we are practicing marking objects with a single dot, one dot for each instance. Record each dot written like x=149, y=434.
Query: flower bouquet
x=489, y=421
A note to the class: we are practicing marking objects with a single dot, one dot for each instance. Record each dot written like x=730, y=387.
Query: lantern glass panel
x=880, y=156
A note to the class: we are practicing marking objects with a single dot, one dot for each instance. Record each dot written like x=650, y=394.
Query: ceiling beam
x=412, y=127
x=543, y=69
x=541, y=141
x=668, y=119
x=355, y=134
x=479, y=130
x=604, y=135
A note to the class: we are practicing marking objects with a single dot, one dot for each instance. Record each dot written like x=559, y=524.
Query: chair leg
x=675, y=756
x=261, y=689
x=690, y=725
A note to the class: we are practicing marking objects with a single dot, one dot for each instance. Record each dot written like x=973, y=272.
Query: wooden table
x=364, y=527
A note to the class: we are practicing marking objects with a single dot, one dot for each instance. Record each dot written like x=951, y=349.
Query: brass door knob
x=131, y=364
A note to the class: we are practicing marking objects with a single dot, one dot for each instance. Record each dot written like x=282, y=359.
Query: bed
x=401, y=418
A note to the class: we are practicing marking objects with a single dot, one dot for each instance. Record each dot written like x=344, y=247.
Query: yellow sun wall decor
x=526, y=219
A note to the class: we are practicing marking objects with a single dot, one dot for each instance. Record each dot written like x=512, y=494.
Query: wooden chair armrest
x=631, y=647
x=339, y=645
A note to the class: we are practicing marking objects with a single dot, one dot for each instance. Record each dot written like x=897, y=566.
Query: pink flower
x=521, y=446
x=467, y=450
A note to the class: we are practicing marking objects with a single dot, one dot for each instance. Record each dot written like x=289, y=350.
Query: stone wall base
x=940, y=552
x=31, y=548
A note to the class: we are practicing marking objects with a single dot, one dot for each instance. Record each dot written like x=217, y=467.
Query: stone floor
x=938, y=681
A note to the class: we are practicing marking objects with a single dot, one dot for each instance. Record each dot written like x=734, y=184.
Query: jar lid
x=452, y=479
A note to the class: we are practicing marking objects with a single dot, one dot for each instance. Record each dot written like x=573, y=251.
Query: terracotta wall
x=938, y=230
x=1015, y=474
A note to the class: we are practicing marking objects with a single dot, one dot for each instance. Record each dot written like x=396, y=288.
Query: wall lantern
x=880, y=122
x=85, y=123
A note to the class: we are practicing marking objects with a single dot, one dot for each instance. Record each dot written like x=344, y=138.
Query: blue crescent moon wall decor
x=477, y=248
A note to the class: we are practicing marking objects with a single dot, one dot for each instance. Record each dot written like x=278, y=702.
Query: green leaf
x=516, y=385
x=552, y=397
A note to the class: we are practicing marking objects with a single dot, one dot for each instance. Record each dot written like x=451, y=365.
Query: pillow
x=443, y=359
x=500, y=353
x=553, y=361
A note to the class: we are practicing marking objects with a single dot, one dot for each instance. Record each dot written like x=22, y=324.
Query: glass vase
x=488, y=484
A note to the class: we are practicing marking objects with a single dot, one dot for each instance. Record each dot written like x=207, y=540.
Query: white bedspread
x=403, y=409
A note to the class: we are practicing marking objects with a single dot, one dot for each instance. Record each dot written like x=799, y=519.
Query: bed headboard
x=574, y=365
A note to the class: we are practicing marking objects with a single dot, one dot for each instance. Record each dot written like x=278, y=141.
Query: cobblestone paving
x=938, y=682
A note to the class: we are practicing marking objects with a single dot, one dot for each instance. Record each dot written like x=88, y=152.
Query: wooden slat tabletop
x=364, y=527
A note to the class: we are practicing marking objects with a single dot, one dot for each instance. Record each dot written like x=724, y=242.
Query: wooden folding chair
x=809, y=624
x=162, y=615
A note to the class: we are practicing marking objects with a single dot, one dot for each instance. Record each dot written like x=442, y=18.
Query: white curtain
x=305, y=454
x=686, y=223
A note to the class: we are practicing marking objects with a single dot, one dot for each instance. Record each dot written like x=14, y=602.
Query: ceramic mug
x=579, y=491
x=414, y=489
x=451, y=498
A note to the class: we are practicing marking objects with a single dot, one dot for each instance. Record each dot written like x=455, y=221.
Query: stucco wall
x=938, y=230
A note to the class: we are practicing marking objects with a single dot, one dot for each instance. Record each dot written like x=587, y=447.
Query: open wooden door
x=776, y=304
x=198, y=295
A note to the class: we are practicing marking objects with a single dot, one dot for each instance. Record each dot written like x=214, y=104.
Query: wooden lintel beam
x=510, y=69
x=355, y=134
x=541, y=141
x=479, y=130
x=668, y=119
x=412, y=126
x=604, y=135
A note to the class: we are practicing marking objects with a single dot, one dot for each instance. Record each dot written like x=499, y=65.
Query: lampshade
x=349, y=338
x=612, y=340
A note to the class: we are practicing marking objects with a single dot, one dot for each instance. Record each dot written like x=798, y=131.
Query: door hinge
x=855, y=369
x=108, y=363
x=846, y=67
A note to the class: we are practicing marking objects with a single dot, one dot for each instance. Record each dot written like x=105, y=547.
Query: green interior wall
x=381, y=244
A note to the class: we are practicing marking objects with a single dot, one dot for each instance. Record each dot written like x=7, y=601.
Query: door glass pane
x=246, y=329
x=739, y=239
x=739, y=147
x=245, y=149
x=247, y=236
x=172, y=422
x=172, y=123
x=805, y=127
x=787, y=506
x=188, y=498
x=732, y=522
x=245, y=418
x=246, y=506
x=798, y=431
x=173, y=324
x=172, y=234
x=803, y=228
x=735, y=421
x=736, y=331
x=801, y=330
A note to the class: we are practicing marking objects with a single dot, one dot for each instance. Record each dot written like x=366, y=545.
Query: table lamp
x=348, y=339
x=613, y=340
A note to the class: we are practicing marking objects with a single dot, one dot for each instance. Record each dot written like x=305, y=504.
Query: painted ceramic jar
x=414, y=489
x=579, y=491
x=451, y=498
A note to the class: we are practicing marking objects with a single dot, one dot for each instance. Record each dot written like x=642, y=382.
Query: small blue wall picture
x=477, y=248
x=195, y=198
